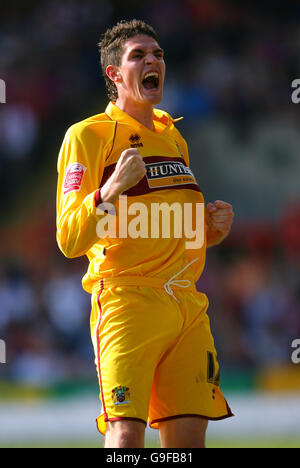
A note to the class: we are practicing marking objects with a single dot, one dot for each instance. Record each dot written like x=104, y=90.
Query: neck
x=143, y=113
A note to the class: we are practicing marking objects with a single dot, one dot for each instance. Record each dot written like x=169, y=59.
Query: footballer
x=154, y=351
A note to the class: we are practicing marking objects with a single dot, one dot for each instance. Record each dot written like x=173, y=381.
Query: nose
x=150, y=58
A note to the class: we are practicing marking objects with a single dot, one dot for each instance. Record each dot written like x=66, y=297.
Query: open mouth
x=151, y=80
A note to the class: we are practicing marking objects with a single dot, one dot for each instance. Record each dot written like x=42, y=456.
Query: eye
x=159, y=54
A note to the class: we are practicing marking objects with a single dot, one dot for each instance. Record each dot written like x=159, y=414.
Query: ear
x=113, y=73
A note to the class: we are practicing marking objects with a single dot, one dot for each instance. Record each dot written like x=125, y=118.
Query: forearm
x=111, y=191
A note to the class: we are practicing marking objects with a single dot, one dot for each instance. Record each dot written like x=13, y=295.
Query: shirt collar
x=117, y=114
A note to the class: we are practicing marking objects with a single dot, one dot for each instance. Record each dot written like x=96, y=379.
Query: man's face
x=142, y=71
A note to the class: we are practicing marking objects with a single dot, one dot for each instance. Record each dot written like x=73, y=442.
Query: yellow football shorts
x=155, y=354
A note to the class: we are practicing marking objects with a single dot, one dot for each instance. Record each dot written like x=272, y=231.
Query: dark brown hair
x=111, y=47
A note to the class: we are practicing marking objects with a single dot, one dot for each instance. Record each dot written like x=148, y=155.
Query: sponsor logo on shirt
x=168, y=174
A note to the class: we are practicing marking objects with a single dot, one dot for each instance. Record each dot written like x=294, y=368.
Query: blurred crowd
x=254, y=292
x=45, y=323
x=233, y=62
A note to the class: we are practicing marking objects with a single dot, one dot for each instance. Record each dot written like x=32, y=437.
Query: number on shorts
x=212, y=377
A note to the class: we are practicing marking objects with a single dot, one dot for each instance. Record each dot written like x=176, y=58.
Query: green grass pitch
x=211, y=443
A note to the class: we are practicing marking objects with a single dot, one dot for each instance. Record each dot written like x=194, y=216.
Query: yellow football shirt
x=88, y=156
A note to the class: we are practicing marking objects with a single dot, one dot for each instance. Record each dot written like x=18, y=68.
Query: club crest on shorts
x=120, y=395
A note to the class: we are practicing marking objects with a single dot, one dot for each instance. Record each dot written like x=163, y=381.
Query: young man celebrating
x=155, y=354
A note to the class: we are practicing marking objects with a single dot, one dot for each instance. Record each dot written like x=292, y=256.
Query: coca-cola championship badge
x=73, y=177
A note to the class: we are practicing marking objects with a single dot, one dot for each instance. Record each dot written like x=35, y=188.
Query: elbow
x=66, y=247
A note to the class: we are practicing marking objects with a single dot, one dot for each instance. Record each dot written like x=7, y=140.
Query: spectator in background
x=18, y=131
x=67, y=305
x=17, y=300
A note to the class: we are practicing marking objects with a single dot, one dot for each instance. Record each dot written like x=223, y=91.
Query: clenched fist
x=219, y=219
x=130, y=169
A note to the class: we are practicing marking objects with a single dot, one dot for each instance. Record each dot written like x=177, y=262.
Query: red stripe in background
x=98, y=348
